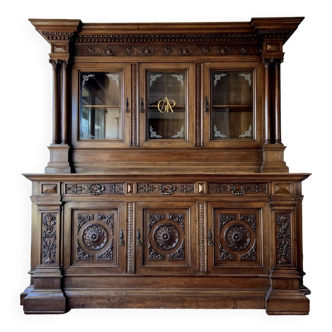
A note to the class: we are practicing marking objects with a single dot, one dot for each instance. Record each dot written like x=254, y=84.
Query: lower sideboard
x=196, y=241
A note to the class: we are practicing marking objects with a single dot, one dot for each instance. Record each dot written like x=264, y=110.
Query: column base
x=287, y=302
x=46, y=297
x=285, y=296
x=273, y=159
x=59, y=159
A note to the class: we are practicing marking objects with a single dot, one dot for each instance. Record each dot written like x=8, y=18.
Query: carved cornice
x=167, y=50
x=167, y=38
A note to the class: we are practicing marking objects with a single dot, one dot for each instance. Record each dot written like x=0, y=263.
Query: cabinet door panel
x=236, y=237
x=93, y=238
x=167, y=240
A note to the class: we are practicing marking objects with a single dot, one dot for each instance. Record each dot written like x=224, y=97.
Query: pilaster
x=45, y=294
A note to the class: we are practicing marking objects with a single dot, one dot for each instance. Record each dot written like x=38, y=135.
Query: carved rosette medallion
x=95, y=237
x=166, y=236
x=237, y=237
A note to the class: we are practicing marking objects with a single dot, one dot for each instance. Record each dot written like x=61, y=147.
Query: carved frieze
x=82, y=49
x=95, y=189
x=166, y=189
x=237, y=189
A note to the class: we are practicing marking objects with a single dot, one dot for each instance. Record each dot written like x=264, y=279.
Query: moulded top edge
x=167, y=177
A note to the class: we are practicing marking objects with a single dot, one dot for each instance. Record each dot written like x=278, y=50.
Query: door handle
x=127, y=105
x=121, y=237
x=210, y=243
x=206, y=106
x=142, y=106
x=138, y=238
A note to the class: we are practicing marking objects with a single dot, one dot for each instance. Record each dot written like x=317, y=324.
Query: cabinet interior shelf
x=176, y=106
x=98, y=106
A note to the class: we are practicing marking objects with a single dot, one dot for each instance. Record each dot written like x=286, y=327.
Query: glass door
x=165, y=105
x=103, y=110
x=230, y=105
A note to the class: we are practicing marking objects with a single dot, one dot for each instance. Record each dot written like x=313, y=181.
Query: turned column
x=277, y=102
x=267, y=63
x=64, y=107
x=55, y=115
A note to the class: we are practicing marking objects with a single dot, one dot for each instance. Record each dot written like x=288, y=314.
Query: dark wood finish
x=184, y=223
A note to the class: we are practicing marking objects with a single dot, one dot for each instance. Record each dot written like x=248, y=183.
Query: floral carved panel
x=165, y=238
x=95, y=237
x=237, y=237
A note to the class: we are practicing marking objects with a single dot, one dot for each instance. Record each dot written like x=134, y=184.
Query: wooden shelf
x=176, y=106
x=217, y=106
x=97, y=106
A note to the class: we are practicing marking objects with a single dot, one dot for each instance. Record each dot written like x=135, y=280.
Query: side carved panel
x=133, y=105
x=198, y=104
x=283, y=238
x=166, y=189
x=49, y=235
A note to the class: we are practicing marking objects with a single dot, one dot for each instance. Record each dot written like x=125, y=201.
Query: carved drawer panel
x=163, y=239
x=237, y=189
x=166, y=188
x=95, y=189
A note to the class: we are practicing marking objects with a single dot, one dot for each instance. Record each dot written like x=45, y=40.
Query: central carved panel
x=237, y=237
x=95, y=237
x=166, y=236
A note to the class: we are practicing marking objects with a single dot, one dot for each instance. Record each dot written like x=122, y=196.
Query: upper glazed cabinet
x=166, y=108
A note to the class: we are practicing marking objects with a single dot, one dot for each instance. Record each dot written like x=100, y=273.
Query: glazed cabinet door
x=232, y=104
x=166, y=107
x=95, y=237
x=236, y=235
x=101, y=105
x=165, y=238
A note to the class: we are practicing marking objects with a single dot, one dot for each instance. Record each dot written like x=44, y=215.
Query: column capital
x=54, y=63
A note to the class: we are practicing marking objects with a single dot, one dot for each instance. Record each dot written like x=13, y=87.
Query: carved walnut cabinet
x=166, y=186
